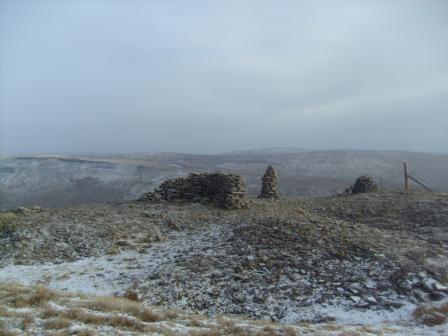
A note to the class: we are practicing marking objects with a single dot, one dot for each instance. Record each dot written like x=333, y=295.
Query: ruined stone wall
x=222, y=189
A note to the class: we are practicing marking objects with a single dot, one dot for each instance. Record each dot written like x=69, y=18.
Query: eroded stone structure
x=222, y=189
x=364, y=184
x=269, y=184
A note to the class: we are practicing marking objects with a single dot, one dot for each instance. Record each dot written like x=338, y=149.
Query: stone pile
x=222, y=189
x=364, y=184
x=269, y=184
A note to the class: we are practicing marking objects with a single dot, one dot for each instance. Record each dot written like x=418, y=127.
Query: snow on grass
x=65, y=313
x=341, y=314
x=105, y=274
x=111, y=274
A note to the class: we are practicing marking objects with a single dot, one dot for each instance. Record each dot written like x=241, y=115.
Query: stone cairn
x=269, y=184
x=364, y=184
x=222, y=189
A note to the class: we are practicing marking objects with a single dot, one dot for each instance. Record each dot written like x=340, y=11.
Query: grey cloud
x=213, y=76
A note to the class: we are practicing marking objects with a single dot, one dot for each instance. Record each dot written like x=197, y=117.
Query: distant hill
x=64, y=180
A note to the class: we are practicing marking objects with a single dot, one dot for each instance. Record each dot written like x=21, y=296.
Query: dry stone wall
x=222, y=189
x=269, y=184
x=364, y=184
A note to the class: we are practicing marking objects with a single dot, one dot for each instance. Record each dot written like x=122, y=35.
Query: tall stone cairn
x=222, y=189
x=269, y=184
x=364, y=184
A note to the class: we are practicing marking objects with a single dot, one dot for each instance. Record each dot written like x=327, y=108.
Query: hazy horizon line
x=248, y=150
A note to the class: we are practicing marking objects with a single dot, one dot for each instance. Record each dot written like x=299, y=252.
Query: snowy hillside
x=57, y=181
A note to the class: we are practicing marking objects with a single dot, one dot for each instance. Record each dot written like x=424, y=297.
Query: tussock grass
x=79, y=314
x=431, y=315
x=126, y=322
x=66, y=332
x=27, y=321
x=56, y=311
x=195, y=322
x=131, y=295
x=7, y=219
x=8, y=228
x=208, y=332
x=4, y=332
x=49, y=312
x=170, y=314
x=52, y=312
x=39, y=297
x=57, y=323
x=289, y=331
x=267, y=331
x=91, y=318
x=107, y=304
x=21, y=297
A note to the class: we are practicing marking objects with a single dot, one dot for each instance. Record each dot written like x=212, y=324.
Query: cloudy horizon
x=210, y=77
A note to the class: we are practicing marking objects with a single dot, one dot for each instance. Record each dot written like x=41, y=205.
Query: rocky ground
x=357, y=259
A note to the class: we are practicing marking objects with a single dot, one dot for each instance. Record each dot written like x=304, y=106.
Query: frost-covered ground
x=110, y=273
x=330, y=266
x=41, y=311
x=114, y=275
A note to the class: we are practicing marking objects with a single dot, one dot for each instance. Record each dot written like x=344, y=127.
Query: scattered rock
x=24, y=210
x=254, y=262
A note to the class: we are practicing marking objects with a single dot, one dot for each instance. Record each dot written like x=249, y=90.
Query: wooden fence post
x=406, y=175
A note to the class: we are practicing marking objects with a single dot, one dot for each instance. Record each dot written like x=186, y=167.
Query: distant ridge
x=52, y=180
x=271, y=150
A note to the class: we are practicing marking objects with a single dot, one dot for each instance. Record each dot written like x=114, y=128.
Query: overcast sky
x=214, y=76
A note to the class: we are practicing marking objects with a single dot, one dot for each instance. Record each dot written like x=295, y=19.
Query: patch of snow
x=110, y=274
x=106, y=275
x=341, y=314
x=77, y=328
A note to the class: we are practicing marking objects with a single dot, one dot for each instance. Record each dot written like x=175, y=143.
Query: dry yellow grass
x=52, y=312
x=19, y=296
x=4, y=332
x=7, y=220
x=267, y=331
x=79, y=314
x=289, y=331
x=432, y=315
x=58, y=323
x=126, y=322
x=209, y=332
x=170, y=314
x=136, y=309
